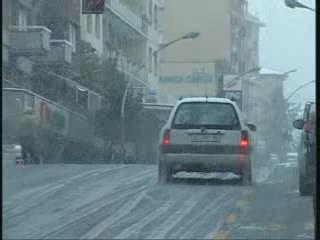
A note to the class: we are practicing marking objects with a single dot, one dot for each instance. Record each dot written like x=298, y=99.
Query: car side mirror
x=298, y=124
x=252, y=127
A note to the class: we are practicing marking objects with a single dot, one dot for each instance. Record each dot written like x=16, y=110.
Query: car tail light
x=244, y=142
x=307, y=127
x=165, y=140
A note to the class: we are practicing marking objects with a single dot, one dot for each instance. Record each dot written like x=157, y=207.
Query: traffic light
x=92, y=6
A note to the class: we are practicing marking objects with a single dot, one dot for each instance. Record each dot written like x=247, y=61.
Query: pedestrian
x=27, y=137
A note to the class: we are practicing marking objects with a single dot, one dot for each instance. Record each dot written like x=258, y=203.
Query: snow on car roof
x=203, y=99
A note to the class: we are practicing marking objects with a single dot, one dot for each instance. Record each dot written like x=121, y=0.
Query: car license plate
x=206, y=138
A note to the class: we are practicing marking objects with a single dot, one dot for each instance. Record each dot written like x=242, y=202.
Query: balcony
x=126, y=15
x=5, y=45
x=29, y=40
x=60, y=52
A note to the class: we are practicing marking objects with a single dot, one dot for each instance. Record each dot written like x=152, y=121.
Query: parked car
x=207, y=135
x=307, y=149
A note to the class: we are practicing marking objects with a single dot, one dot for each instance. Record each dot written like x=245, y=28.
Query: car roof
x=204, y=99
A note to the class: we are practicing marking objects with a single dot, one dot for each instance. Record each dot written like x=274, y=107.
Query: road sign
x=235, y=94
x=92, y=6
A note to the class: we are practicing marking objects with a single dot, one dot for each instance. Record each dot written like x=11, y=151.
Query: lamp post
x=190, y=35
x=296, y=4
x=122, y=111
x=302, y=86
x=234, y=80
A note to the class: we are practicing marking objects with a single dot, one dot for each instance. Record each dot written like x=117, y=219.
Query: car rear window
x=206, y=114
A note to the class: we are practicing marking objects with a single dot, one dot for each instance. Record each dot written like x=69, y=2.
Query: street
x=125, y=202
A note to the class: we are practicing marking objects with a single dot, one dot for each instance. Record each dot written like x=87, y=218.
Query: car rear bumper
x=206, y=162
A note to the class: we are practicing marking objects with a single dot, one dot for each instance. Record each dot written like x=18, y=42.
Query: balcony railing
x=128, y=15
x=29, y=40
x=60, y=53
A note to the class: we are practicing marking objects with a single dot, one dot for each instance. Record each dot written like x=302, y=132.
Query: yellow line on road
x=241, y=203
x=231, y=218
x=247, y=193
x=221, y=235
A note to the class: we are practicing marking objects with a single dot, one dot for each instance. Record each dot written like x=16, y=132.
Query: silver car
x=207, y=135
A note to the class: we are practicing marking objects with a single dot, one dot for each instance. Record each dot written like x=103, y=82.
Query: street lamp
x=302, y=86
x=231, y=82
x=291, y=71
x=296, y=4
x=124, y=101
x=190, y=35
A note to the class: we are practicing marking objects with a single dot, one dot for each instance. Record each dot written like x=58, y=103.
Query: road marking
x=231, y=218
x=272, y=181
x=271, y=227
x=241, y=203
x=276, y=227
x=247, y=193
x=251, y=228
x=221, y=235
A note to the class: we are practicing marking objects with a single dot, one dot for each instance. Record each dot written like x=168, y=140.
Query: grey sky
x=288, y=42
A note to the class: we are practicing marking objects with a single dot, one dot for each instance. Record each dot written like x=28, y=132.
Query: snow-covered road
x=125, y=202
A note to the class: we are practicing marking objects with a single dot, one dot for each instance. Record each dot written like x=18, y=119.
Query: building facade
x=43, y=53
x=131, y=31
x=264, y=105
x=220, y=48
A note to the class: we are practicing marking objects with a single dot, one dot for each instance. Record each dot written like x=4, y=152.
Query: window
x=72, y=36
x=156, y=17
x=97, y=26
x=155, y=64
x=211, y=115
x=22, y=17
x=150, y=12
x=89, y=23
x=150, y=60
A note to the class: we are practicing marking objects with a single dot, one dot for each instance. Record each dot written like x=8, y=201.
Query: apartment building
x=190, y=67
x=264, y=105
x=91, y=30
x=131, y=32
x=252, y=33
x=42, y=51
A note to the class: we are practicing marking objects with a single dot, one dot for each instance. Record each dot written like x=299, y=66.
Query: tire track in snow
x=214, y=205
x=95, y=232
x=134, y=229
x=211, y=219
x=22, y=205
x=162, y=229
x=93, y=208
x=22, y=196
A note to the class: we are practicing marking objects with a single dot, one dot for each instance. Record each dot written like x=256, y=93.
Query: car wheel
x=165, y=174
x=304, y=188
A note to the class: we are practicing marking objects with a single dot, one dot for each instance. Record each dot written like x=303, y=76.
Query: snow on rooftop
x=269, y=71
